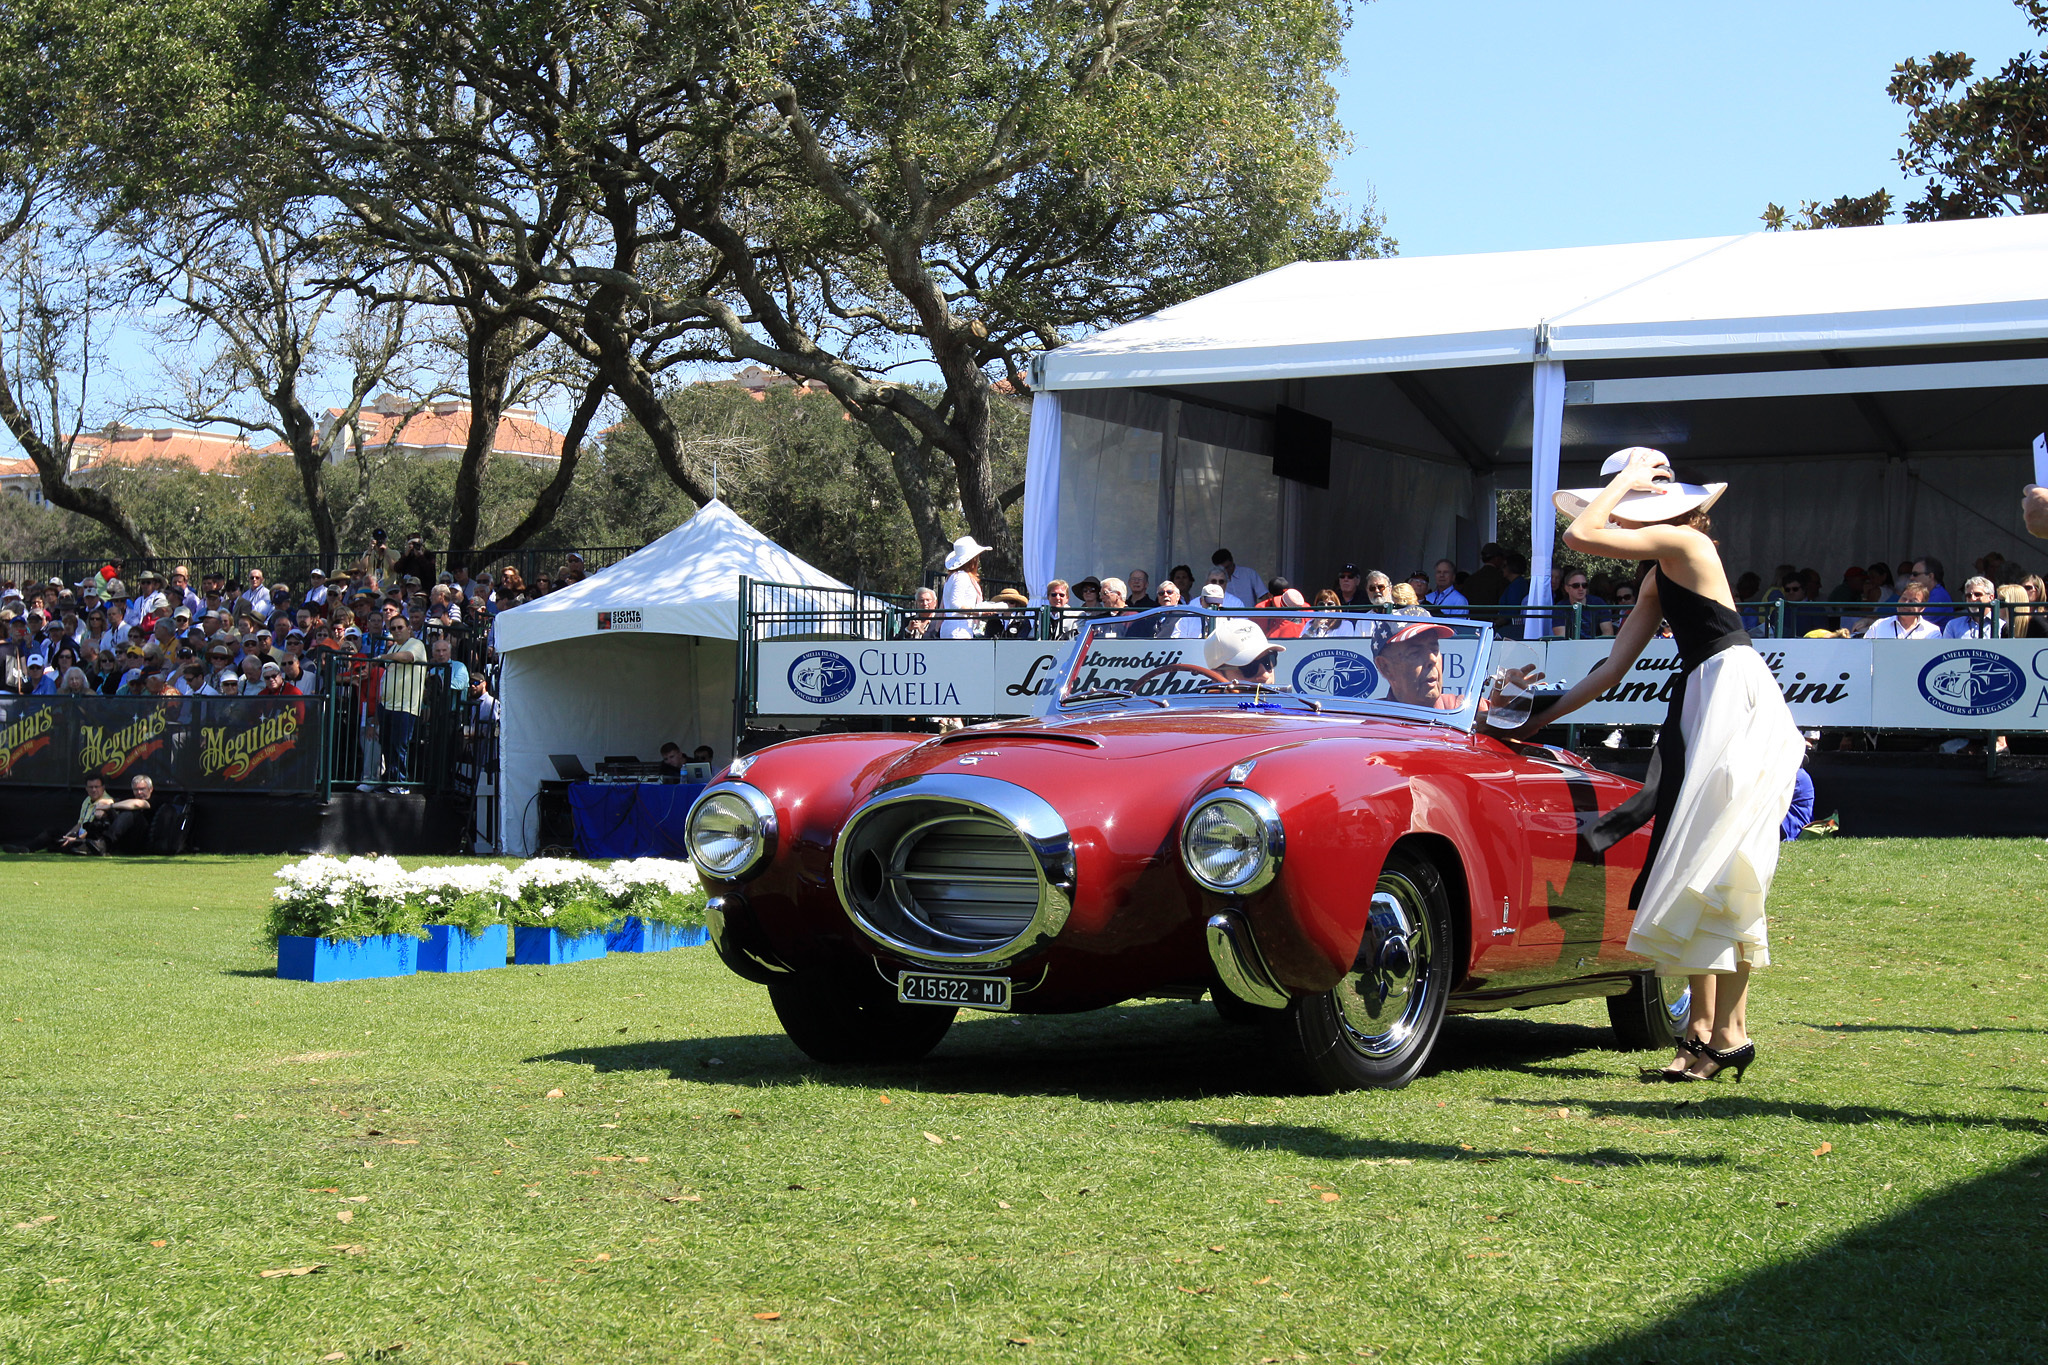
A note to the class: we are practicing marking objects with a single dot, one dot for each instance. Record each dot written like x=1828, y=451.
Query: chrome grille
x=954, y=869
x=968, y=877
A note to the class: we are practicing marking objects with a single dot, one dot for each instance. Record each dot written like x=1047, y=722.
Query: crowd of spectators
x=1913, y=601
x=390, y=638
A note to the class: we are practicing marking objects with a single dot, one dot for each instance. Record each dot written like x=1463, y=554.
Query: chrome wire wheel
x=1675, y=994
x=1651, y=1016
x=1384, y=1000
x=1377, y=1027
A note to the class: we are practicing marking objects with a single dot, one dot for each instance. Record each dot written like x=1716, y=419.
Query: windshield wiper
x=1108, y=694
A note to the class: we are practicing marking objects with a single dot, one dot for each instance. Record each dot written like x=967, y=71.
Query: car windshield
x=1421, y=667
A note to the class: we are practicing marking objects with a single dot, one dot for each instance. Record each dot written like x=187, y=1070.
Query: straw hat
x=964, y=549
x=1669, y=499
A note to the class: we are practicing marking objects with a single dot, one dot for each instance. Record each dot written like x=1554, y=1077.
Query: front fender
x=1344, y=805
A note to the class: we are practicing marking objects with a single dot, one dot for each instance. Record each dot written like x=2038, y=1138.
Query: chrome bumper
x=1238, y=963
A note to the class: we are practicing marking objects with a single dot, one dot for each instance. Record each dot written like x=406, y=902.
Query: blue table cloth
x=631, y=819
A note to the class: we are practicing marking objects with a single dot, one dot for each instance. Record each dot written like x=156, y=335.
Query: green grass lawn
x=624, y=1160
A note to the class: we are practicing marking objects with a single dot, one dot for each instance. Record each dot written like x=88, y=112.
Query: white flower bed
x=355, y=897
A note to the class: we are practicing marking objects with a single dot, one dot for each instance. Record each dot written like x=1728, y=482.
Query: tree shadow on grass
x=1721, y=1103
x=1915, y=1028
x=1961, y=1276
x=1312, y=1141
x=1125, y=1053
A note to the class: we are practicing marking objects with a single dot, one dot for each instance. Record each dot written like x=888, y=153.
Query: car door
x=1568, y=911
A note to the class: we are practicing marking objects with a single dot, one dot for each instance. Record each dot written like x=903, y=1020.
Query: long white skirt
x=1703, y=903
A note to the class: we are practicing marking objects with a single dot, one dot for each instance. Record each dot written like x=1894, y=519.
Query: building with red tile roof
x=437, y=431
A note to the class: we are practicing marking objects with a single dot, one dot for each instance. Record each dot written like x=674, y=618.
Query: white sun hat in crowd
x=1669, y=499
x=1235, y=643
x=964, y=549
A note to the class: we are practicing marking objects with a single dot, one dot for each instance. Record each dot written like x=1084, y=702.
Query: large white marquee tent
x=1868, y=393
x=638, y=653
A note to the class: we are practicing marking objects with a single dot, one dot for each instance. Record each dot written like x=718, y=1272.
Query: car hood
x=1182, y=753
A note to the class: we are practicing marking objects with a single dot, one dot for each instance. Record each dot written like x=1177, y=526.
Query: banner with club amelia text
x=1946, y=685
x=217, y=744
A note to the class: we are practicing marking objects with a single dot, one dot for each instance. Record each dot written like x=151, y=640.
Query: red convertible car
x=1306, y=818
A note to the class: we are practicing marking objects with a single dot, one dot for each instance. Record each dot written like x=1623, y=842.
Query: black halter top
x=1700, y=626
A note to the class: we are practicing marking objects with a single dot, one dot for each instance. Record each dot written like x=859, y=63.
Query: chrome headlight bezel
x=759, y=843
x=1263, y=819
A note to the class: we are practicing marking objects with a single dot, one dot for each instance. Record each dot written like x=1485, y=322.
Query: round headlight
x=731, y=831
x=1231, y=841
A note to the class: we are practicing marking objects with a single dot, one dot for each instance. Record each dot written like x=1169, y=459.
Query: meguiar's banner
x=255, y=744
x=35, y=741
x=184, y=743
x=122, y=738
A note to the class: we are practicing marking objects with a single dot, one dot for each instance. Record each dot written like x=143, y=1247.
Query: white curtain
x=1382, y=511
x=1042, y=494
x=1224, y=494
x=1112, y=447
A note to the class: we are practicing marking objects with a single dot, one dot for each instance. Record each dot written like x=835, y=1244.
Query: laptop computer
x=696, y=772
x=569, y=768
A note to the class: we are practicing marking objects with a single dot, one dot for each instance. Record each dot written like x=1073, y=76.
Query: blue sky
x=1492, y=126
x=1483, y=125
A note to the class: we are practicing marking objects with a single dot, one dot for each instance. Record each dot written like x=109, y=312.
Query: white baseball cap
x=1236, y=643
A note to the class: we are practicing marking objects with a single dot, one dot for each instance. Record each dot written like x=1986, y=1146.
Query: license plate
x=973, y=992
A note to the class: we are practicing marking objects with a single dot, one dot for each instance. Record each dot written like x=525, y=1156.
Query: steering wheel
x=1211, y=674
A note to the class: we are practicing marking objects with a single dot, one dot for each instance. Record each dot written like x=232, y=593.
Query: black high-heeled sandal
x=1739, y=1059
x=1685, y=1044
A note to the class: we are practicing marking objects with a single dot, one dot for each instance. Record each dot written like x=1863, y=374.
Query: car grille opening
x=952, y=880
x=968, y=877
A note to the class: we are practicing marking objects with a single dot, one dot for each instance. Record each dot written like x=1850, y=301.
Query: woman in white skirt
x=1723, y=770
x=961, y=603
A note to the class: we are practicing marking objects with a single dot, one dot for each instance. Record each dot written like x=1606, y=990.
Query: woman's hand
x=1643, y=471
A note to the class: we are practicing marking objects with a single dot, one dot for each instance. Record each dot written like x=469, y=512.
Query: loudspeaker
x=557, y=826
x=1301, y=446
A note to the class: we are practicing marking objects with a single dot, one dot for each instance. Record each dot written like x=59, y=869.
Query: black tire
x=1651, y=1016
x=1232, y=1010
x=1376, y=1029
x=839, y=1021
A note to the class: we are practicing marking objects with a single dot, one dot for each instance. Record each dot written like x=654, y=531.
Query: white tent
x=1868, y=392
x=638, y=653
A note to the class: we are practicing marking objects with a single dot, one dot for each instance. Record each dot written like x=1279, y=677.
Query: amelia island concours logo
x=1972, y=682
x=1336, y=673
x=822, y=676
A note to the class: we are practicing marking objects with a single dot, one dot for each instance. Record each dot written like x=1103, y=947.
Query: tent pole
x=1545, y=450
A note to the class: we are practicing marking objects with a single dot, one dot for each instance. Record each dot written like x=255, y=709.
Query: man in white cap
x=961, y=602
x=317, y=593
x=1238, y=651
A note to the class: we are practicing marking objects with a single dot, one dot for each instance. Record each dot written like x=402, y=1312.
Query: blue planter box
x=635, y=935
x=546, y=947
x=450, y=949
x=333, y=959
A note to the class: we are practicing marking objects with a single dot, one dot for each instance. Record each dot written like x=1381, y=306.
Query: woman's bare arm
x=1628, y=645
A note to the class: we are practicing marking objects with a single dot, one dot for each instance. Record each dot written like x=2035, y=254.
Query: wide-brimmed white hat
x=1662, y=503
x=1235, y=643
x=964, y=549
